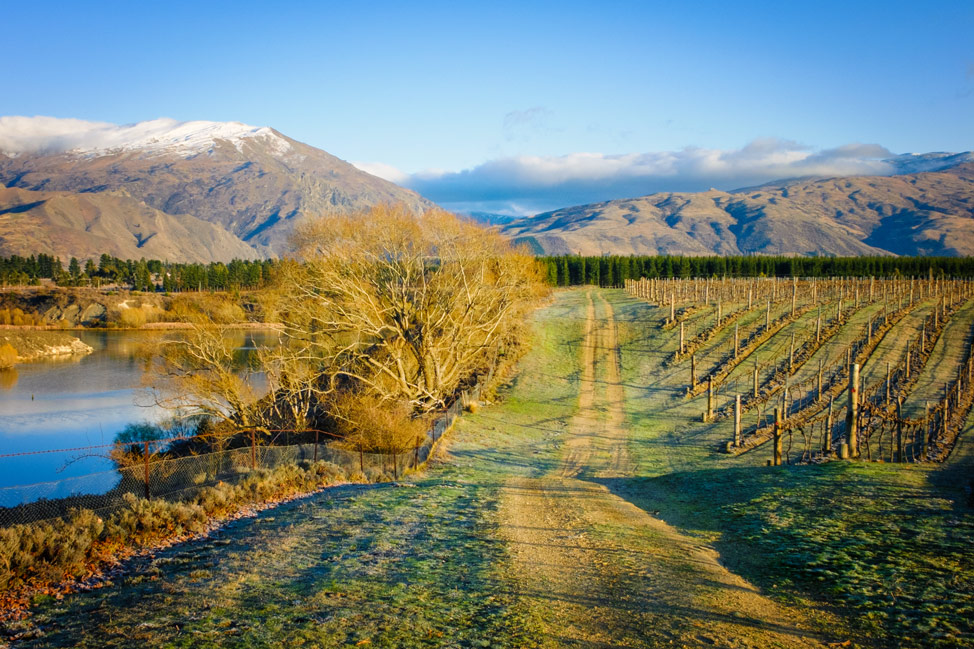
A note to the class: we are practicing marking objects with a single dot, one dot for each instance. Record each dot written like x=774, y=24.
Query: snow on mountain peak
x=52, y=135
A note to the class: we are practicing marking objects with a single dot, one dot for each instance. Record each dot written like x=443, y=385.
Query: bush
x=44, y=553
x=8, y=355
x=132, y=318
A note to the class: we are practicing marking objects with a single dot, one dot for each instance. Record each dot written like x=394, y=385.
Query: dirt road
x=601, y=572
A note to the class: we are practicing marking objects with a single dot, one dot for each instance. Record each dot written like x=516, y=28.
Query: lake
x=78, y=401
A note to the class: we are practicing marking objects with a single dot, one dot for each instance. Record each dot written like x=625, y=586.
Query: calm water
x=77, y=402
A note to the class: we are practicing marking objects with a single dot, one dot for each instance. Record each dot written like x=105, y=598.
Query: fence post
x=926, y=431
x=899, y=429
x=253, y=448
x=791, y=354
x=776, y=432
x=827, y=442
x=683, y=347
x=737, y=339
x=887, y=383
x=767, y=317
x=146, y=452
x=818, y=396
x=852, y=417
x=755, y=378
x=710, y=398
x=693, y=371
x=737, y=420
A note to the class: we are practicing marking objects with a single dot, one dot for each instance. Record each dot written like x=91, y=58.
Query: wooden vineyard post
x=906, y=368
x=794, y=296
x=946, y=413
x=852, y=417
x=737, y=340
x=737, y=420
x=827, y=442
x=710, y=399
x=926, y=431
x=818, y=327
x=720, y=310
x=683, y=348
x=887, y=382
x=672, y=307
x=784, y=401
x=869, y=331
x=145, y=452
x=838, y=310
x=693, y=371
x=749, y=297
x=767, y=317
x=899, y=430
x=923, y=337
x=791, y=354
x=818, y=393
x=755, y=379
x=776, y=433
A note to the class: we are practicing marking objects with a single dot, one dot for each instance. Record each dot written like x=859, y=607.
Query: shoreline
x=151, y=326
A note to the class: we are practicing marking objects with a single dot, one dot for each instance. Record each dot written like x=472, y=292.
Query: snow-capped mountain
x=251, y=181
x=49, y=135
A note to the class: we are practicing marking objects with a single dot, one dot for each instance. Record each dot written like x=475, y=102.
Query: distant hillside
x=66, y=225
x=928, y=213
x=254, y=183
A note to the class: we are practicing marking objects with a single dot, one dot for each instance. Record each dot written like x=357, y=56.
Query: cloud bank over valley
x=524, y=185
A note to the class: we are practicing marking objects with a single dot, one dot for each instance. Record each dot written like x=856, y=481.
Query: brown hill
x=913, y=214
x=86, y=225
x=254, y=183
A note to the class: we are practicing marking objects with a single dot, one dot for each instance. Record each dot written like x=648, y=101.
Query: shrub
x=8, y=355
x=45, y=552
x=132, y=318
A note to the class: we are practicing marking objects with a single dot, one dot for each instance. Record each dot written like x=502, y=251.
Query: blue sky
x=440, y=95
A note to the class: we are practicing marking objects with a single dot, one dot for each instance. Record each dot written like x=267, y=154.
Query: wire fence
x=146, y=471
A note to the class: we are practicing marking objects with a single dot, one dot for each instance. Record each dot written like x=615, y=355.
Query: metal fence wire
x=158, y=476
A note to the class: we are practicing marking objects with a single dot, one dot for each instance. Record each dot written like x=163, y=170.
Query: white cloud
x=384, y=171
x=527, y=184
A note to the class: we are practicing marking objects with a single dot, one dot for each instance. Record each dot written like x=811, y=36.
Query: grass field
x=590, y=508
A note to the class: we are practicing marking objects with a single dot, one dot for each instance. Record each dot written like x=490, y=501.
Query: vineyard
x=878, y=369
x=752, y=462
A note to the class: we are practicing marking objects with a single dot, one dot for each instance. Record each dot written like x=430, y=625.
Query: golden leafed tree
x=402, y=306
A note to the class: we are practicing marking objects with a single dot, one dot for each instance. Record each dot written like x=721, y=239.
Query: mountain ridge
x=919, y=213
x=254, y=182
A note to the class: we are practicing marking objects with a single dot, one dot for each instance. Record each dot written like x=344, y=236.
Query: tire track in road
x=599, y=571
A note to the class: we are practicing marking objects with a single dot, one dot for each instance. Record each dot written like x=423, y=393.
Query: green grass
x=381, y=565
x=888, y=547
x=884, y=543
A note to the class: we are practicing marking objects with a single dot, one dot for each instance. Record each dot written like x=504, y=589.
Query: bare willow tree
x=201, y=374
x=404, y=307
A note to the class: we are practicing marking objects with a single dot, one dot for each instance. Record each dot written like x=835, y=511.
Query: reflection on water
x=80, y=401
x=8, y=378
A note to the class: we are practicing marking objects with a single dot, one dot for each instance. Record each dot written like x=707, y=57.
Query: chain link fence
x=149, y=473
